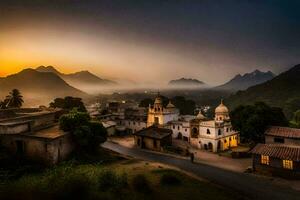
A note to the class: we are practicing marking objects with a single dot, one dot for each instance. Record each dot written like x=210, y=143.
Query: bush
x=87, y=135
x=141, y=184
x=109, y=180
x=169, y=179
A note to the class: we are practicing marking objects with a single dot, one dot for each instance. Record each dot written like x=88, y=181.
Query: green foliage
x=186, y=106
x=75, y=119
x=68, y=103
x=109, y=180
x=297, y=117
x=13, y=100
x=252, y=120
x=86, y=134
x=146, y=102
x=141, y=184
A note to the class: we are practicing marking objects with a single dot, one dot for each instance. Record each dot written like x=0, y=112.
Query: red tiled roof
x=277, y=151
x=283, y=132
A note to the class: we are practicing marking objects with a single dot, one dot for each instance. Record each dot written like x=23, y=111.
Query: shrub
x=109, y=180
x=169, y=179
x=141, y=184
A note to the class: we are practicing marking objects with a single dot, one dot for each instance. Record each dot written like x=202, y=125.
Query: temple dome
x=200, y=116
x=170, y=105
x=221, y=108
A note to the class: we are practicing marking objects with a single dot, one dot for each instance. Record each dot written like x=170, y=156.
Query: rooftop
x=283, y=132
x=278, y=151
x=49, y=133
x=154, y=132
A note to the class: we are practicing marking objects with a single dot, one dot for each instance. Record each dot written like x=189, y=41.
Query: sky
x=151, y=41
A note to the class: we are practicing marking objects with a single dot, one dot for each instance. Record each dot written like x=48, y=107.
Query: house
x=277, y=159
x=153, y=138
x=282, y=135
x=280, y=155
x=34, y=134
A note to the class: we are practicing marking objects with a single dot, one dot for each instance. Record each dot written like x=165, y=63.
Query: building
x=160, y=115
x=182, y=127
x=280, y=155
x=282, y=135
x=153, y=138
x=212, y=135
x=34, y=134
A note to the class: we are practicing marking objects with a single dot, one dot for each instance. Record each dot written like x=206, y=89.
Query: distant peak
x=47, y=69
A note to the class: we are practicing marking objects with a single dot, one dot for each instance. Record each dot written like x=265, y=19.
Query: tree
x=87, y=135
x=252, y=120
x=296, y=118
x=14, y=99
x=3, y=104
x=68, y=103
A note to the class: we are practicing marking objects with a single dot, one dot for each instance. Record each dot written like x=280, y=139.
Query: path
x=247, y=184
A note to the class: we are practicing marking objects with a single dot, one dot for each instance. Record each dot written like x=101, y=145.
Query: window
x=173, y=126
x=154, y=143
x=279, y=140
x=264, y=160
x=208, y=131
x=287, y=164
x=185, y=130
x=178, y=127
x=219, y=132
x=227, y=129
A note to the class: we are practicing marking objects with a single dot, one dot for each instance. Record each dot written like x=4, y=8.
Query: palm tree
x=14, y=99
x=2, y=105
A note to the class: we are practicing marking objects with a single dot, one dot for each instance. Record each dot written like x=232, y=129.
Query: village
x=35, y=134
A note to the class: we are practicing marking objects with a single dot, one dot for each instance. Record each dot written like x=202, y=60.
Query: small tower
x=221, y=112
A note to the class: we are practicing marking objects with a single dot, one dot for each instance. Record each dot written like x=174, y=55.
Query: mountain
x=38, y=87
x=240, y=82
x=83, y=80
x=186, y=82
x=282, y=91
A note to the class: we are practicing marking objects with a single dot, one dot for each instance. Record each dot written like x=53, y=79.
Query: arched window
x=195, y=132
x=208, y=131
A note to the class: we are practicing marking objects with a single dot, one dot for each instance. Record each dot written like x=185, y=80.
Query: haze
x=150, y=41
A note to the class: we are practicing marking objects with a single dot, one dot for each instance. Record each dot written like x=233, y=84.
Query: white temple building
x=214, y=135
x=160, y=115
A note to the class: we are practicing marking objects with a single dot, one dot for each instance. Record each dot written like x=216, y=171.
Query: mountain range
x=242, y=82
x=83, y=80
x=186, y=82
x=281, y=91
x=38, y=87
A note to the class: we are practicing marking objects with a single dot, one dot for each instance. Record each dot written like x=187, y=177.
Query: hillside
x=83, y=80
x=186, y=82
x=242, y=82
x=37, y=87
x=282, y=91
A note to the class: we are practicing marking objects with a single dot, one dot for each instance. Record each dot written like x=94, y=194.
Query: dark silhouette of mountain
x=240, y=82
x=186, y=82
x=82, y=80
x=38, y=87
x=282, y=91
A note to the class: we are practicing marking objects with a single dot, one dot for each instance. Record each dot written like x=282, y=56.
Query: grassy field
x=111, y=178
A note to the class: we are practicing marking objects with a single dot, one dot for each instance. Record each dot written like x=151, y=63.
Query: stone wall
x=47, y=151
x=39, y=120
x=15, y=128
